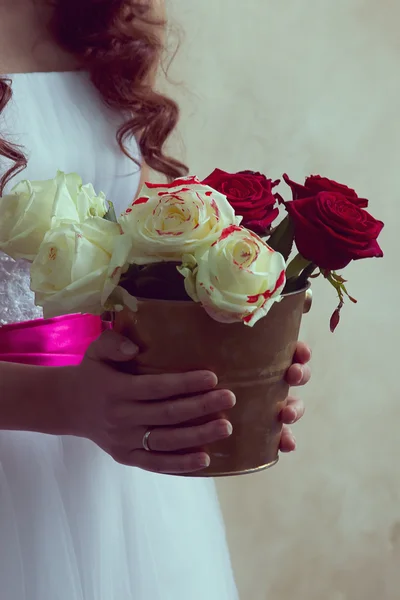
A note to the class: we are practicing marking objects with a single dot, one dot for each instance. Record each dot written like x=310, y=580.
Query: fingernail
x=228, y=398
x=128, y=348
x=210, y=380
x=301, y=374
x=293, y=420
x=225, y=429
x=205, y=461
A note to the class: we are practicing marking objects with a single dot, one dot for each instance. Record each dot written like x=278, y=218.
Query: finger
x=302, y=354
x=293, y=411
x=170, y=464
x=174, y=439
x=161, y=387
x=288, y=441
x=175, y=412
x=111, y=346
x=298, y=375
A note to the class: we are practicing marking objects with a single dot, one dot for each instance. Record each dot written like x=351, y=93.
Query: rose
x=251, y=196
x=237, y=279
x=79, y=266
x=331, y=231
x=33, y=207
x=168, y=221
x=315, y=184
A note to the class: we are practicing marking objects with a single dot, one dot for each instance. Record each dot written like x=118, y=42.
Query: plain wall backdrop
x=313, y=86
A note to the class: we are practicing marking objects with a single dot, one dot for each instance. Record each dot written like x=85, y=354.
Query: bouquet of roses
x=215, y=242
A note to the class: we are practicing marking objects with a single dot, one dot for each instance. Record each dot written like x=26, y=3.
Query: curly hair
x=118, y=43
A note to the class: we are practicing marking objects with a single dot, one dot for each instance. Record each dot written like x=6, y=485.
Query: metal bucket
x=178, y=336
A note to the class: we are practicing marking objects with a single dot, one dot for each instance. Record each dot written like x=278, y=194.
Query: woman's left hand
x=298, y=374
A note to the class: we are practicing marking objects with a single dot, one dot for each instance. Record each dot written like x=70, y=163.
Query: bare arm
x=96, y=401
x=31, y=398
x=144, y=176
x=158, y=14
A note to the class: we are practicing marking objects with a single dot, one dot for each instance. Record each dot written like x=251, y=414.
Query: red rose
x=251, y=196
x=315, y=184
x=331, y=230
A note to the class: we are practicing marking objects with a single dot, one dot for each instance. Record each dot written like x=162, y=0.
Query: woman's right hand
x=115, y=410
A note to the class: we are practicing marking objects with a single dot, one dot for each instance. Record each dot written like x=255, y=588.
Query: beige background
x=313, y=86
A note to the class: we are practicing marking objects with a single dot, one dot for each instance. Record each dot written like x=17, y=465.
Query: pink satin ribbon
x=57, y=342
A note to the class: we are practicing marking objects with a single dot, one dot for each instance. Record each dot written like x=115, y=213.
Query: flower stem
x=306, y=274
x=297, y=266
x=282, y=238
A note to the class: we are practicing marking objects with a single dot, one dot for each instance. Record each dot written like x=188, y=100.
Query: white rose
x=237, y=279
x=168, y=221
x=79, y=266
x=33, y=207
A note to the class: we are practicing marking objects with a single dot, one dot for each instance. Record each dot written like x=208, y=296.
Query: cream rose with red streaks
x=171, y=220
x=237, y=279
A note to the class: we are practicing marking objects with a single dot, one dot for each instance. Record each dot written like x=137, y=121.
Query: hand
x=298, y=374
x=115, y=410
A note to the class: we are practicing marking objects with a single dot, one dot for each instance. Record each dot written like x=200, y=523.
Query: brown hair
x=117, y=43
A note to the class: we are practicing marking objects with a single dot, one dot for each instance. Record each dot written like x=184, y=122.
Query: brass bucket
x=179, y=336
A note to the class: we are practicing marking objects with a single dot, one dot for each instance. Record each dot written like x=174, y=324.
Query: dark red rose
x=331, y=230
x=315, y=184
x=251, y=196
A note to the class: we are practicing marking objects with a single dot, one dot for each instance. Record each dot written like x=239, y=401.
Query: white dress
x=75, y=525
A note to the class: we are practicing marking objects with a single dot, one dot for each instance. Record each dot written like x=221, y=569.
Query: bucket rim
x=160, y=301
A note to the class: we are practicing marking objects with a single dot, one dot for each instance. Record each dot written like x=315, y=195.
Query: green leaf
x=110, y=214
x=283, y=238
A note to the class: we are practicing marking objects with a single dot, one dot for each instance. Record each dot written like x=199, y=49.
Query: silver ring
x=145, y=441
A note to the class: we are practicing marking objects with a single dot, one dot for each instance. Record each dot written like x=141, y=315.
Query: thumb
x=111, y=346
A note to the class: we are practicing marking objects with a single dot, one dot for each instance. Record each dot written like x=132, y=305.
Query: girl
x=77, y=522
